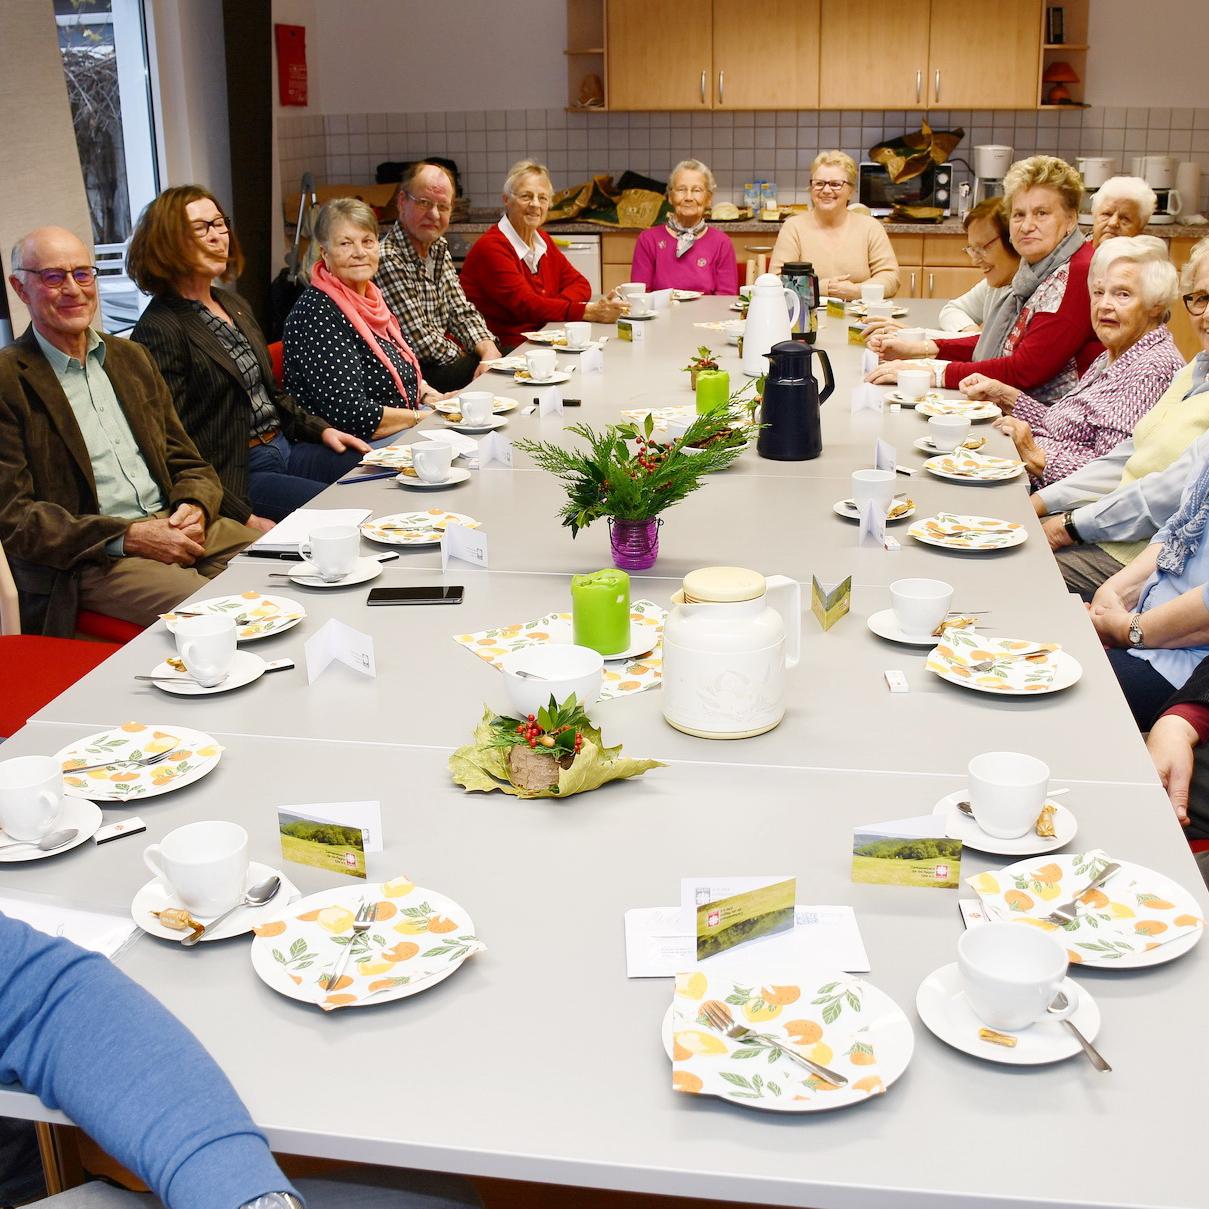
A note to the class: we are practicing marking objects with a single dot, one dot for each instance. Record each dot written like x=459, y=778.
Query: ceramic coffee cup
x=920, y=605
x=1011, y=973
x=540, y=363
x=476, y=406
x=913, y=384
x=31, y=796
x=204, y=864
x=628, y=288
x=640, y=304
x=876, y=485
x=947, y=432
x=1007, y=791
x=332, y=550
x=432, y=460
x=872, y=292
x=579, y=335
x=207, y=647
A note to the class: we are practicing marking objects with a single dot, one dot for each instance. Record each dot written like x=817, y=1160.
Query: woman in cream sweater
x=845, y=248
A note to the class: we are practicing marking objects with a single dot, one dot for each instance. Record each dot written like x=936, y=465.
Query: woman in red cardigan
x=514, y=274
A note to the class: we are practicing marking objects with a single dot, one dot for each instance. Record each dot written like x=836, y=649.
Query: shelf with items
x=586, y=56
x=1063, y=73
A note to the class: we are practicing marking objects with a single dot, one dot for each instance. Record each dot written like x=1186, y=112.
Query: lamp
x=1059, y=75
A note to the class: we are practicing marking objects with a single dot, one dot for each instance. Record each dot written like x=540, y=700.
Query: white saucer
x=245, y=668
x=885, y=625
x=960, y=826
x=499, y=405
x=79, y=813
x=365, y=570
x=488, y=426
x=643, y=639
x=554, y=379
x=154, y=897
x=943, y=1008
x=686, y=295
x=847, y=510
x=456, y=475
x=897, y=396
x=924, y=445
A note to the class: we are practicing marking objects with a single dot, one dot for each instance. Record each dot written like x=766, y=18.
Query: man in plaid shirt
x=421, y=286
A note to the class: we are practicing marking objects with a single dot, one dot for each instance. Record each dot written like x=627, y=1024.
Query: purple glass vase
x=635, y=543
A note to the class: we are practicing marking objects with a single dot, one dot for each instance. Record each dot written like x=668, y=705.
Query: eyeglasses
x=1196, y=303
x=425, y=203
x=829, y=186
x=689, y=190
x=83, y=275
x=978, y=251
x=219, y=224
x=527, y=199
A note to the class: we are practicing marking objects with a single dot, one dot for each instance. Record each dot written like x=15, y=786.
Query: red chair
x=105, y=628
x=37, y=669
x=277, y=356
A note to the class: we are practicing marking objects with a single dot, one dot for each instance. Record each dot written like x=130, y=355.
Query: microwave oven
x=932, y=187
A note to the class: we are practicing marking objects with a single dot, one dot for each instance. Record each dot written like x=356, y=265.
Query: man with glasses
x=417, y=277
x=105, y=502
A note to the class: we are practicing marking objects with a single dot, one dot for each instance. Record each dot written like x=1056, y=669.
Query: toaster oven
x=933, y=187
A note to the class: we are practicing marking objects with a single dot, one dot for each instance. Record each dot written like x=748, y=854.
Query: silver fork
x=719, y=1017
x=145, y=762
x=242, y=619
x=1067, y=913
x=986, y=664
x=364, y=917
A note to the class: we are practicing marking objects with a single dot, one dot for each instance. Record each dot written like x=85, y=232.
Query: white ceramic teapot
x=768, y=322
x=727, y=641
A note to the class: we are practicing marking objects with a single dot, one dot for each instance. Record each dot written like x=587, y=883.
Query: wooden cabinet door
x=659, y=54
x=948, y=283
x=910, y=281
x=766, y=56
x=994, y=69
x=874, y=55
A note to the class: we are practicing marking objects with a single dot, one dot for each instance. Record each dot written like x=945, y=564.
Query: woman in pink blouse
x=684, y=253
x=1133, y=284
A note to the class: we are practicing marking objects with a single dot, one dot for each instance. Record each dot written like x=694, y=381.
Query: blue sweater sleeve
x=83, y=1037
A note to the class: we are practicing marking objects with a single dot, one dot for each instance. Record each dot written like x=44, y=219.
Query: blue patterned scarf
x=1186, y=529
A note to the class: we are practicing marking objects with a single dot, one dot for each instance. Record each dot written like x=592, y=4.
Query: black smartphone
x=416, y=596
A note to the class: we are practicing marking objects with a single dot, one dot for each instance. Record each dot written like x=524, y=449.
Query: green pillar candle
x=713, y=390
x=600, y=611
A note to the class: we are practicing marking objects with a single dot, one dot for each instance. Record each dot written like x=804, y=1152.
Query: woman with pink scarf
x=345, y=357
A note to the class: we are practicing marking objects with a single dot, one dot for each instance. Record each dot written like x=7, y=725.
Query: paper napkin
x=958, y=649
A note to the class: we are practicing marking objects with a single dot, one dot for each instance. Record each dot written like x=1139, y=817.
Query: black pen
x=288, y=555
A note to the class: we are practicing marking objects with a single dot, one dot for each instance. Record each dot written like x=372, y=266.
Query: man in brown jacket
x=105, y=502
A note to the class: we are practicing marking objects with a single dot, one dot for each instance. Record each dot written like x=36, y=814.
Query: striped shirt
x=235, y=344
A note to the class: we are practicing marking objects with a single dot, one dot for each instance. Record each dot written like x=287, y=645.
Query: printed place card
x=906, y=852
x=885, y=457
x=867, y=397
x=495, y=450
x=868, y=361
x=591, y=360
x=550, y=402
x=333, y=836
x=746, y=916
x=872, y=531
x=340, y=643
x=470, y=545
x=830, y=604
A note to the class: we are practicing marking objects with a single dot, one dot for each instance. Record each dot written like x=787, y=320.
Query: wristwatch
x=274, y=1200
x=1136, y=637
x=1068, y=522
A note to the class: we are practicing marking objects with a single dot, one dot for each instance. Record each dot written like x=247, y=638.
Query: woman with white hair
x=684, y=253
x=1122, y=206
x=1133, y=284
x=516, y=276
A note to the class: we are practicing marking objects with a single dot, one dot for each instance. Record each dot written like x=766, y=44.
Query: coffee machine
x=1095, y=170
x=1159, y=172
x=991, y=162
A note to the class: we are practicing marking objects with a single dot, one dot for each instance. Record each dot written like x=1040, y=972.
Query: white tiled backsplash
x=738, y=146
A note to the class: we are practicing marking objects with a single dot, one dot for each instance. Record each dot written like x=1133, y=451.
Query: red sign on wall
x=291, y=64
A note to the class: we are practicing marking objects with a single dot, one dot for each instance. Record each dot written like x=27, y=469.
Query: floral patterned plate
x=860, y=310
x=842, y=1022
x=1137, y=918
x=955, y=532
x=966, y=466
x=500, y=404
x=193, y=754
x=506, y=365
x=1020, y=677
x=958, y=407
x=267, y=614
x=393, y=457
x=418, y=939
x=414, y=528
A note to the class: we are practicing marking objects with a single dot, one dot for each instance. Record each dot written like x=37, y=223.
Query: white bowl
x=566, y=669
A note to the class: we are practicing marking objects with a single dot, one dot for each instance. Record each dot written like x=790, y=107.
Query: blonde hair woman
x=846, y=249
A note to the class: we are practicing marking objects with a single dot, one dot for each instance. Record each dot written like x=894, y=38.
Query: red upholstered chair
x=277, y=356
x=106, y=628
x=36, y=669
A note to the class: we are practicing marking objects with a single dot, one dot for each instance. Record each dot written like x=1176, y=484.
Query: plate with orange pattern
x=191, y=755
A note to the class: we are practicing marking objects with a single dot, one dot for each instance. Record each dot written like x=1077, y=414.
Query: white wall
x=420, y=56
x=1148, y=55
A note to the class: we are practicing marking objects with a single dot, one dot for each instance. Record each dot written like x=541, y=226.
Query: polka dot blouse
x=333, y=373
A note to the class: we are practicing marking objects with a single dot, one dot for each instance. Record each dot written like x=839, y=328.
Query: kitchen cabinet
x=712, y=54
x=921, y=54
x=933, y=266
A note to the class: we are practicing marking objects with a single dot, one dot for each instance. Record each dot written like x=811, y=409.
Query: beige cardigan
x=862, y=250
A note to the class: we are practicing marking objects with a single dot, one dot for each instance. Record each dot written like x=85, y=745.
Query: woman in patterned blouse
x=345, y=356
x=1133, y=284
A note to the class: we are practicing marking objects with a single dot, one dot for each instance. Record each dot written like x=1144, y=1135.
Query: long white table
x=539, y=1060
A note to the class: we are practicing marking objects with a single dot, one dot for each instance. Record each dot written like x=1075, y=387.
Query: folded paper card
x=495, y=450
x=550, y=402
x=872, y=530
x=469, y=545
x=745, y=917
x=331, y=836
x=867, y=397
x=906, y=852
x=591, y=360
x=830, y=604
x=885, y=457
x=340, y=642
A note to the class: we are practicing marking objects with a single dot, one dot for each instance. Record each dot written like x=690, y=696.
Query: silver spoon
x=966, y=808
x=528, y=675
x=1059, y=1005
x=48, y=843
x=257, y=896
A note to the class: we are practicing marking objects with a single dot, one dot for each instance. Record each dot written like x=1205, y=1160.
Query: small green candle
x=600, y=610
x=713, y=390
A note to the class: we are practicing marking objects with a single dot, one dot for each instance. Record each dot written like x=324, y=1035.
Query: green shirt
x=125, y=487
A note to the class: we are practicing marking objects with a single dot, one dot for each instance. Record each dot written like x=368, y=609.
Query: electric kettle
x=768, y=321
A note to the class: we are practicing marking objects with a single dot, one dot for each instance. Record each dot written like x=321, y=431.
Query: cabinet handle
x=721, y=82
x=931, y=285
x=913, y=283
x=936, y=84
x=703, y=88
x=919, y=85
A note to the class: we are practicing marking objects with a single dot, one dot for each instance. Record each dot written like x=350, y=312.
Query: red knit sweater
x=1050, y=340
x=511, y=298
